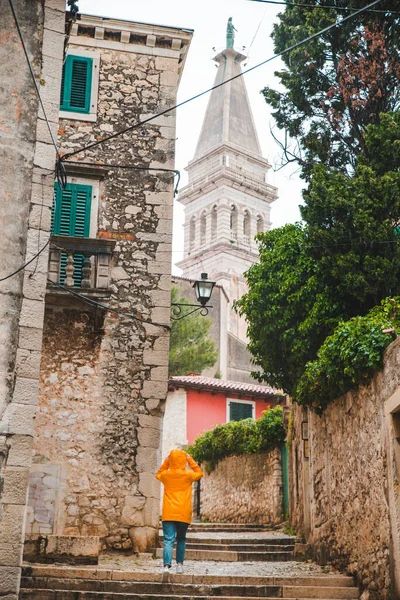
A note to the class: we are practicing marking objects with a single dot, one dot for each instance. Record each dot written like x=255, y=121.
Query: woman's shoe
x=179, y=568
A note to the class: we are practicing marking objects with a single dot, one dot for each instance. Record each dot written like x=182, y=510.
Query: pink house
x=196, y=404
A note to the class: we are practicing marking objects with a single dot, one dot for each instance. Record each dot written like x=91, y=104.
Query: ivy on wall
x=236, y=438
x=350, y=356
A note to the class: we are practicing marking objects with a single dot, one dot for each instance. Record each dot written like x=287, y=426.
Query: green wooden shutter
x=71, y=210
x=76, y=84
x=70, y=216
x=239, y=411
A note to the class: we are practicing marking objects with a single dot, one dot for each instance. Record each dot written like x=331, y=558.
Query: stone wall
x=27, y=160
x=346, y=497
x=244, y=489
x=104, y=381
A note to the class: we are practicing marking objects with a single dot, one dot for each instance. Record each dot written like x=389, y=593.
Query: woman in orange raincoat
x=177, y=503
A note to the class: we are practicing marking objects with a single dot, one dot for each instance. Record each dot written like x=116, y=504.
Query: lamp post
x=203, y=288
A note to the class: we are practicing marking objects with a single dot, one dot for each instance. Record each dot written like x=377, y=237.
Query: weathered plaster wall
x=174, y=430
x=244, y=489
x=102, y=394
x=26, y=188
x=349, y=476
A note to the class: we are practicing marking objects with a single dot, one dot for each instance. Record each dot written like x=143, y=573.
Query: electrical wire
x=264, y=62
x=105, y=307
x=33, y=75
x=301, y=5
x=257, y=30
x=135, y=168
x=27, y=263
x=366, y=244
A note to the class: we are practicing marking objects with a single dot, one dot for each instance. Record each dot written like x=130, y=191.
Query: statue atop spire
x=230, y=33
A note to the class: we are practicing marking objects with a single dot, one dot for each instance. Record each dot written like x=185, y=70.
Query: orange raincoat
x=177, y=480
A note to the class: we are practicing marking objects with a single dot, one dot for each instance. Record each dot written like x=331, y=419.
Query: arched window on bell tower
x=203, y=228
x=246, y=227
x=260, y=224
x=192, y=232
x=214, y=222
x=233, y=222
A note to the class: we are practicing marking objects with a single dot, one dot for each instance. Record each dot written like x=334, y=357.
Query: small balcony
x=82, y=264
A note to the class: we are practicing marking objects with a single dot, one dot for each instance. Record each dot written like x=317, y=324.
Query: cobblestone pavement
x=146, y=564
x=239, y=569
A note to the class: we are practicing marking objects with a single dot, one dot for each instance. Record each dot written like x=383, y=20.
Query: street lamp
x=203, y=289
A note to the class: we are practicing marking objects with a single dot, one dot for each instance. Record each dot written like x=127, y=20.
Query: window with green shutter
x=240, y=410
x=76, y=84
x=70, y=216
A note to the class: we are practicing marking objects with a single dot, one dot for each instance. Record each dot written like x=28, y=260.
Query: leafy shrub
x=235, y=438
x=349, y=357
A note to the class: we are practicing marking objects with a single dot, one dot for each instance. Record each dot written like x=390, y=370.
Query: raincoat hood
x=177, y=460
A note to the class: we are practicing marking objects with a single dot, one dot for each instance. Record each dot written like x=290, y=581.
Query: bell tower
x=227, y=199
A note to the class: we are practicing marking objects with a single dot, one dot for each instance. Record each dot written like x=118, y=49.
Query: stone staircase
x=210, y=541
x=207, y=578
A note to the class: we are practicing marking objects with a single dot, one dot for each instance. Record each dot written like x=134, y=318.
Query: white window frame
x=94, y=92
x=94, y=207
x=237, y=401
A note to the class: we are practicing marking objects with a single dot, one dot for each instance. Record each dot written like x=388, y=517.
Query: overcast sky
x=208, y=19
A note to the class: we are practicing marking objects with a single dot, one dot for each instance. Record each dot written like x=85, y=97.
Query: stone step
x=318, y=592
x=66, y=595
x=66, y=583
x=152, y=588
x=51, y=572
x=240, y=547
x=226, y=527
x=270, y=541
x=229, y=526
x=229, y=556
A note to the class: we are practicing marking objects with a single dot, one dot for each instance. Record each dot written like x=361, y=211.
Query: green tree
x=352, y=221
x=288, y=310
x=190, y=348
x=341, y=263
x=335, y=85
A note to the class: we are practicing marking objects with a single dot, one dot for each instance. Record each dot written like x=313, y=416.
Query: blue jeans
x=172, y=530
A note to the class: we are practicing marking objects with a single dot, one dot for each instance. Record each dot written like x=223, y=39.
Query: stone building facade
x=103, y=376
x=345, y=481
x=27, y=158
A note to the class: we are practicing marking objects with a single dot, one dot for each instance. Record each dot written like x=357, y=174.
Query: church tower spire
x=227, y=199
x=228, y=118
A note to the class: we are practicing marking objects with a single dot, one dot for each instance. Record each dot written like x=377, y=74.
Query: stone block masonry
x=26, y=189
x=345, y=481
x=244, y=489
x=103, y=387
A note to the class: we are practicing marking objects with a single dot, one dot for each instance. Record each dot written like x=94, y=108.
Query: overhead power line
x=105, y=307
x=264, y=62
x=131, y=167
x=27, y=263
x=324, y=6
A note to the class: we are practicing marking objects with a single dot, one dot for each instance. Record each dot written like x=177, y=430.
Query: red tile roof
x=210, y=383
